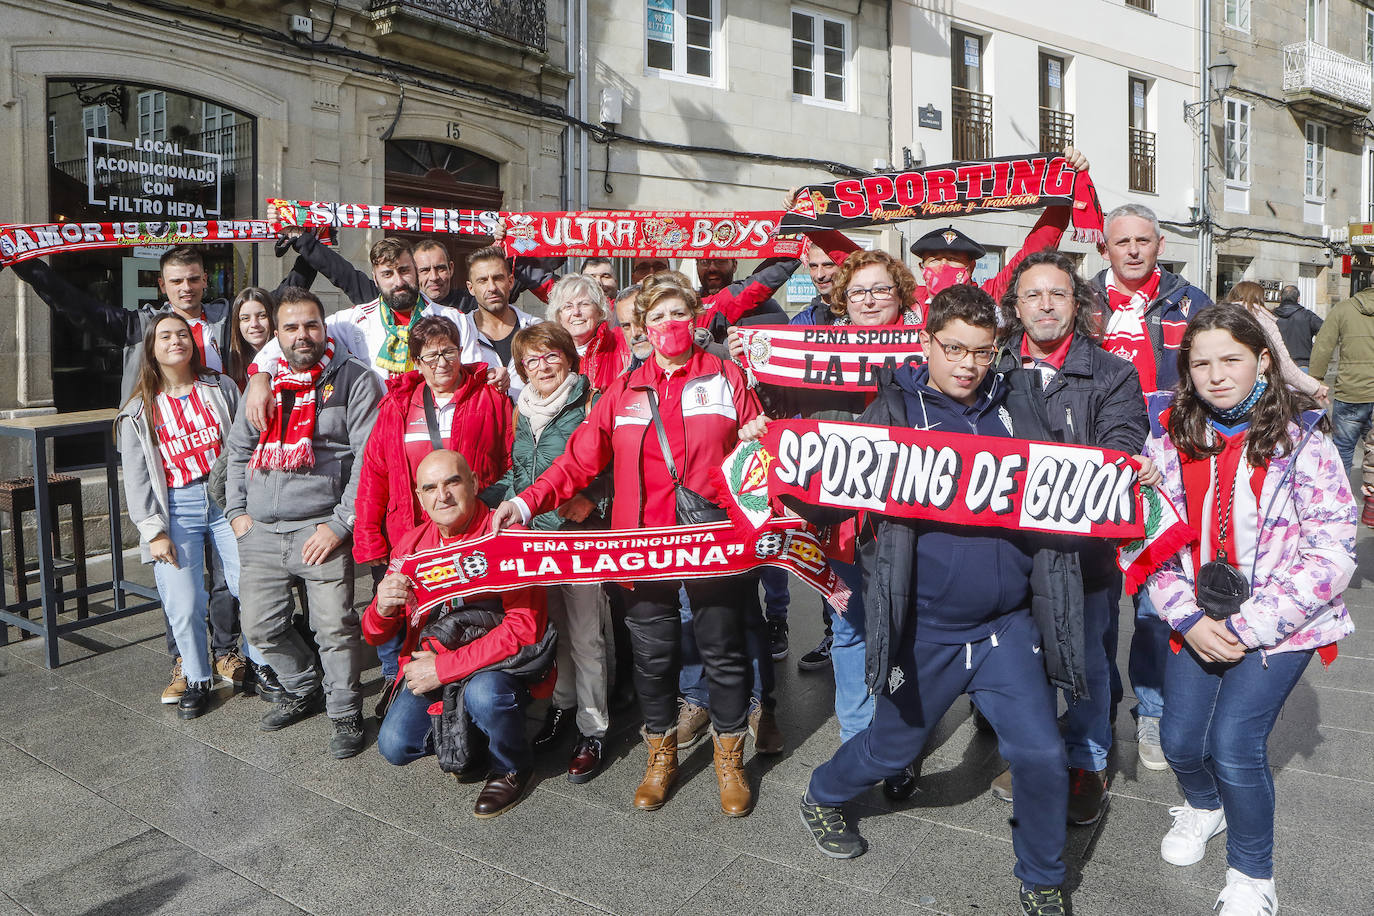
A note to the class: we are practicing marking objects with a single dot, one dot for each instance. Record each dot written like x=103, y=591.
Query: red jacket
x=523, y=625
x=482, y=432
x=606, y=358
x=714, y=402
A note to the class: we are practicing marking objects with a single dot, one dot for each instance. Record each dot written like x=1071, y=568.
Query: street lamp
x=1198, y=115
x=1219, y=75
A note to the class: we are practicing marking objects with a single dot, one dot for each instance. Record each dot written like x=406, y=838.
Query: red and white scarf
x=1126, y=335
x=286, y=445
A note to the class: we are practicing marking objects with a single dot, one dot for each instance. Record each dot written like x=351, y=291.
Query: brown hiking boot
x=1001, y=786
x=692, y=721
x=173, y=691
x=763, y=727
x=232, y=669
x=736, y=798
x=661, y=772
x=1087, y=796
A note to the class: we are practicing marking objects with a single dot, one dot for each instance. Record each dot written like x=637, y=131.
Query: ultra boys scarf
x=950, y=190
x=837, y=357
x=294, y=448
x=955, y=478
x=519, y=558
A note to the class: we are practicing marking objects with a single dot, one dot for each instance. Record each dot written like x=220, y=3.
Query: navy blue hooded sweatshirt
x=966, y=579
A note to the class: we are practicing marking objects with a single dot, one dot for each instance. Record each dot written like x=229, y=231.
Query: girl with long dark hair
x=1252, y=469
x=250, y=326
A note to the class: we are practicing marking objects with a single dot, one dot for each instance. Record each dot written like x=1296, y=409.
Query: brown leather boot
x=661, y=772
x=736, y=798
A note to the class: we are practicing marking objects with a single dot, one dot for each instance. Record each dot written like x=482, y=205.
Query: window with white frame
x=1316, y=21
x=95, y=121
x=1368, y=184
x=1369, y=36
x=152, y=115
x=1236, y=154
x=1238, y=14
x=820, y=58
x=680, y=37
x=1314, y=162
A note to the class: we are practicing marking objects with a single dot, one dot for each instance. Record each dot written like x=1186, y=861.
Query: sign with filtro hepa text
x=156, y=178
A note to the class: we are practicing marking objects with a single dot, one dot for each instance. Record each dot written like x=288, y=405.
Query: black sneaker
x=348, y=737
x=193, y=702
x=903, y=785
x=265, y=683
x=831, y=831
x=777, y=638
x=1044, y=901
x=818, y=657
x=290, y=709
x=557, y=723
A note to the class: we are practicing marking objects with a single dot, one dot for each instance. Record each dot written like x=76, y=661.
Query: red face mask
x=671, y=338
x=943, y=277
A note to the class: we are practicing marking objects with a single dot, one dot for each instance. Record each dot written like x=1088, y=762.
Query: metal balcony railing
x=972, y=122
x=522, y=21
x=1142, y=160
x=1311, y=67
x=1056, y=130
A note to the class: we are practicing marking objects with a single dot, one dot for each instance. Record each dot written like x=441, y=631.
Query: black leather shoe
x=501, y=793
x=265, y=683
x=586, y=760
x=348, y=737
x=193, y=702
x=290, y=709
x=556, y=724
x=903, y=785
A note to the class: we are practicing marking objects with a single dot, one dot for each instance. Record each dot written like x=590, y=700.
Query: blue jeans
x=1007, y=682
x=195, y=519
x=389, y=652
x=1149, y=650
x=494, y=700
x=1349, y=423
x=776, y=596
x=1215, y=735
x=1088, y=726
x=692, y=678
x=848, y=652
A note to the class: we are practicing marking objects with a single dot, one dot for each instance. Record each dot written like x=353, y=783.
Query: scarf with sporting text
x=286, y=444
x=394, y=353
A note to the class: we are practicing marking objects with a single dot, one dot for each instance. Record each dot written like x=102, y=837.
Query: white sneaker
x=1147, y=744
x=1246, y=896
x=1186, y=841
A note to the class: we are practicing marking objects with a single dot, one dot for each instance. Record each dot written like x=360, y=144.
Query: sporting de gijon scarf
x=286, y=444
x=394, y=353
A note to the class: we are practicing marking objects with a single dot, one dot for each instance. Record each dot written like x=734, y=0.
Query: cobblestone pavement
x=111, y=806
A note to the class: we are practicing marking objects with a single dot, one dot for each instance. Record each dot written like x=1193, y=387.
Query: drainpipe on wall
x=565, y=176
x=1205, y=235
x=582, y=202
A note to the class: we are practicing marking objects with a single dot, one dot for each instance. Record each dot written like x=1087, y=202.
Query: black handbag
x=1221, y=588
x=691, y=507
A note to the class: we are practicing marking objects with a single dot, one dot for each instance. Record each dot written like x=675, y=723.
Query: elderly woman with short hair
x=578, y=304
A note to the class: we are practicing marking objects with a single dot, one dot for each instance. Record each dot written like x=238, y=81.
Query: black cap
x=947, y=239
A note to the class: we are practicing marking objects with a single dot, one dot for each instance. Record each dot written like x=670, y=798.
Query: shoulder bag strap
x=662, y=437
x=432, y=420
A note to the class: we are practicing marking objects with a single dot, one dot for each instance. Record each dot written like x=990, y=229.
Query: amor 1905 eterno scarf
x=286, y=444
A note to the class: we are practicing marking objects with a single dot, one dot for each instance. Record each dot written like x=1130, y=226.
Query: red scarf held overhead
x=294, y=449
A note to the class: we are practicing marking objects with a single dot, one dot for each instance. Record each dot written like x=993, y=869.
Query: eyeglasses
x=879, y=293
x=955, y=353
x=551, y=358
x=449, y=355
x=1057, y=296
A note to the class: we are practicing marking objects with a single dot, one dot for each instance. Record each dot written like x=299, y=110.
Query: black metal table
x=37, y=431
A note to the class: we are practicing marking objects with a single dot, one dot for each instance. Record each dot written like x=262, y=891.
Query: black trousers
x=224, y=612
x=718, y=622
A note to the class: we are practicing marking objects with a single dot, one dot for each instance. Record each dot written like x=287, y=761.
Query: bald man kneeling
x=495, y=700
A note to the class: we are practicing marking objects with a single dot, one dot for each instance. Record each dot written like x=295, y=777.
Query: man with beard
x=289, y=498
x=376, y=331
x=434, y=270
x=490, y=282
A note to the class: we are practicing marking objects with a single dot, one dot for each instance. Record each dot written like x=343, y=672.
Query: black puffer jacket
x=888, y=545
x=1095, y=399
x=452, y=728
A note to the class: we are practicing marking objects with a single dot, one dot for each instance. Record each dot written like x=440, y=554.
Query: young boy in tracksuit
x=958, y=610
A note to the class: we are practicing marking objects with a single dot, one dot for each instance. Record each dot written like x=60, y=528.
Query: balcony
x=1056, y=130
x=1142, y=160
x=443, y=31
x=971, y=119
x=1318, y=82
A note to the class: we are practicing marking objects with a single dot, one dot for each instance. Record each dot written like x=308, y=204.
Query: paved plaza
x=111, y=805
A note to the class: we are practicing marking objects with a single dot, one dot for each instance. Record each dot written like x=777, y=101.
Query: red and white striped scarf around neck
x=286, y=444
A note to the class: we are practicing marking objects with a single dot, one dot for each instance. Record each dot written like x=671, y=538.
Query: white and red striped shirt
x=188, y=437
